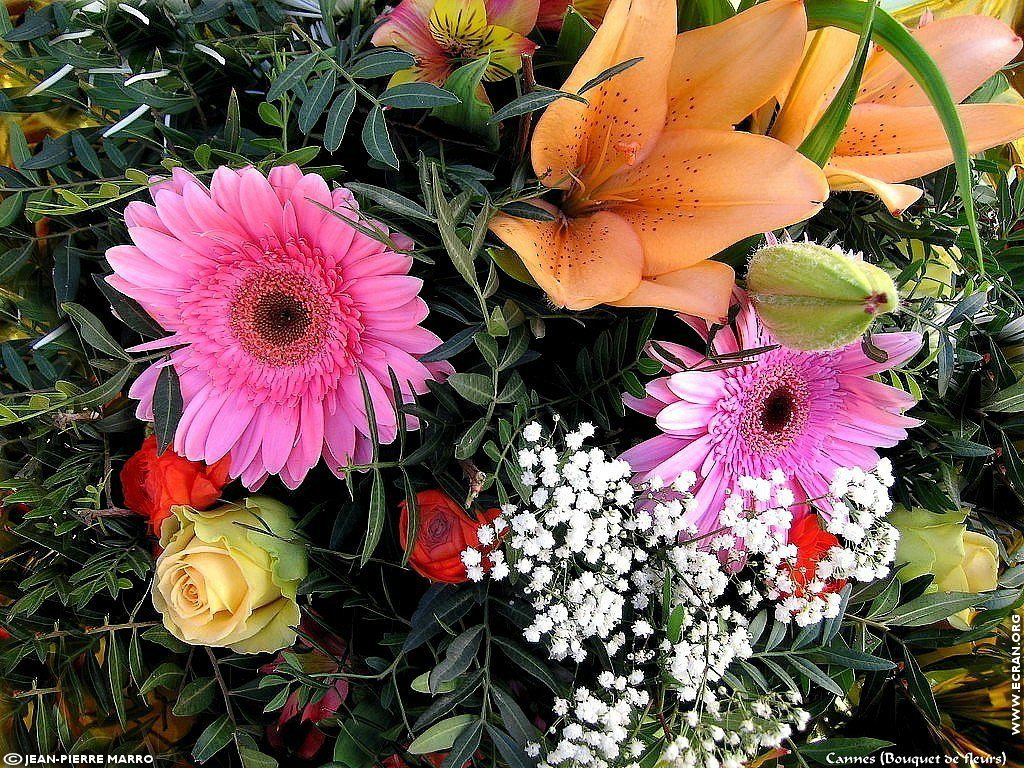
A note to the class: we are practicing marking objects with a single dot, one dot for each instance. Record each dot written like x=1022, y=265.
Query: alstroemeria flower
x=445, y=34
x=655, y=180
x=894, y=133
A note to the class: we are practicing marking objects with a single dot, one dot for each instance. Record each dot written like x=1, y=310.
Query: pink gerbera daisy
x=804, y=413
x=277, y=308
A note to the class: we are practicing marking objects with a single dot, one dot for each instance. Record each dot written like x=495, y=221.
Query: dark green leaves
x=376, y=139
x=167, y=406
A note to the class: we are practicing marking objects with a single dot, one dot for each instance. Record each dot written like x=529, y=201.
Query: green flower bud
x=814, y=298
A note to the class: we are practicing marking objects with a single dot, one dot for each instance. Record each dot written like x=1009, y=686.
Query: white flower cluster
x=595, y=729
x=488, y=557
x=755, y=725
x=757, y=522
x=589, y=555
x=707, y=634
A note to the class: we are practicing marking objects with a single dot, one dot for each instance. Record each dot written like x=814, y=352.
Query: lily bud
x=815, y=298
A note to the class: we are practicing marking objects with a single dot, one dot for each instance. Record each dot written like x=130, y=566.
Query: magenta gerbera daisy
x=277, y=309
x=804, y=413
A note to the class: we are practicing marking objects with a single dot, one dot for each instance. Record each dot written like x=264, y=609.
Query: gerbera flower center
x=777, y=411
x=278, y=317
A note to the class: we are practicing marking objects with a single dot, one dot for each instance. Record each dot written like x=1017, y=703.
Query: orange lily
x=654, y=178
x=893, y=133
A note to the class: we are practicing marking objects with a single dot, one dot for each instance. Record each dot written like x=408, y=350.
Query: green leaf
x=338, y=117
x=292, y=75
x=16, y=366
x=167, y=406
x=213, y=739
x=92, y=331
x=465, y=746
x=919, y=689
x=897, y=40
x=441, y=736
x=815, y=674
x=377, y=513
x=474, y=387
x=472, y=114
x=394, y=202
x=422, y=684
x=233, y=121
x=823, y=138
x=929, y=608
x=117, y=673
x=531, y=102
x=10, y=208
x=167, y=675
x=458, y=656
x=418, y=96
x=471, y=439
x=511, y=752
x=575, y=36
x=850, y=659
x=319, y=94
x=377, y=140
x=609, y=73
x=527, y=663
x=270, y=114
x=382, y=63
x=195, y=697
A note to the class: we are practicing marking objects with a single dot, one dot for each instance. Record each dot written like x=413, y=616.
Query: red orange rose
x=445, y=531
x=812, y=544
x=153, y=483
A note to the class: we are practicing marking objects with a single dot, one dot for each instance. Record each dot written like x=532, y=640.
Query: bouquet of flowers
x=511, y=383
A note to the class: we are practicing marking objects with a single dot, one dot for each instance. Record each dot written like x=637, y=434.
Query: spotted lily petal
x=722, y=73
x=702, y=190
x=625, y=114
x=579, y=262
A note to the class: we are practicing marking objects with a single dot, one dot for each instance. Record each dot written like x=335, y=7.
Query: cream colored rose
x=940, y=544
x=228, y=577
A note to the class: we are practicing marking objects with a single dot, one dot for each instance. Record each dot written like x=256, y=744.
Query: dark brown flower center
x=778, y=410
x=279, y=318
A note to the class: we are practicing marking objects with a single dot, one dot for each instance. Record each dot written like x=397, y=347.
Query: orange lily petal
x=897, y=197
x=702, y=190
x=704, y=290
x=827, y=58
x=722, y=73
x=899, y=143
x=579, y=262
x=967, y=49
x=624, y=114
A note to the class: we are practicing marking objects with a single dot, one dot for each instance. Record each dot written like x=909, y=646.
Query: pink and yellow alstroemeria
x=654, y=179
x=444, y=34
x=893, y=133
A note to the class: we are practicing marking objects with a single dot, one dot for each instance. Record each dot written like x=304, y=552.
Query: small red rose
x=445, y=531
x=813, y=544
x=153, y=483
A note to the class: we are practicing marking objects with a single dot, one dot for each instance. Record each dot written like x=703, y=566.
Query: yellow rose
x=960, y=560
x=228, y=577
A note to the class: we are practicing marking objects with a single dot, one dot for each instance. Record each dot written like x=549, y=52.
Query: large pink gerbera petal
x=279, y=310
x=804, y=413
